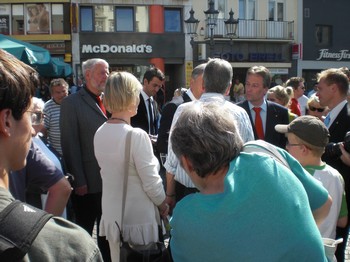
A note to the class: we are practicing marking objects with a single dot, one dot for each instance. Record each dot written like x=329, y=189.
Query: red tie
x=100, y=104
x=258, y=123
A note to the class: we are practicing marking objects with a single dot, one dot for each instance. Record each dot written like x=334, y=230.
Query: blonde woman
x=315, y=109
x=282, y=95
x=144, y=192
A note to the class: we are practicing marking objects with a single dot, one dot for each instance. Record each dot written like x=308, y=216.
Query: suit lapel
x=90, y=101
x=341, y=117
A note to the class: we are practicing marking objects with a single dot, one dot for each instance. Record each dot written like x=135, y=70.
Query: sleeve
x=147, y=166
x=40, y=170
x=316, y=193
x=70, y=141
x=164, y=127
x=47, y=116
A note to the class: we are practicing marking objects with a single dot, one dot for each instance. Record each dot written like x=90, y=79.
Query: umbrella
x=26, y=52
x=37, y=57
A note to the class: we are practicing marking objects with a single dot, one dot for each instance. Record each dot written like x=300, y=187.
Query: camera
x=333, y=149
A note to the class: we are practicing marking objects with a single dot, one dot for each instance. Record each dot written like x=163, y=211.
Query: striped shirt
x=244, y=126
x=52, y=124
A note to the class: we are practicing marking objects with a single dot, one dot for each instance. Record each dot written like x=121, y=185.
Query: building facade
x=323, y=40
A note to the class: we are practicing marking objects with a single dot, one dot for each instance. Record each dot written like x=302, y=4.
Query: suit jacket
x=337, y=131
x=168, y=113
x=276, y=114
x=80, y=118
x=141, y=118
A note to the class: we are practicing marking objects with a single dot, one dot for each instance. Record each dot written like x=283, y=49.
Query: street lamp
x=231, y=26
x=211, y=16
x=192, y=25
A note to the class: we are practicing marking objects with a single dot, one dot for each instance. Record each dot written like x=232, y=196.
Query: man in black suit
x=193, y=93
x=147, y=112
x=332, y=91
x=264, y=115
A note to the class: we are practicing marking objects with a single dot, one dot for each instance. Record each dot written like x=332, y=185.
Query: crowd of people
x=113, y=140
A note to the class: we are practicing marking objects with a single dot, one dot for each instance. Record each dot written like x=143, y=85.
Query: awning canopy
x=37, y=57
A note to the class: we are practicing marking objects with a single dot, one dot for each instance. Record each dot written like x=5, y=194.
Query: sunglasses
x=316, y=109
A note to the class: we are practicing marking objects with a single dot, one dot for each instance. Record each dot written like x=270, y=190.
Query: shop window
x=103, y=16
x=86, y=19
x=124, y=19
x=172, y=20
x=57, y=18
x=141, y=19
x=323, y=35
x=5, y=19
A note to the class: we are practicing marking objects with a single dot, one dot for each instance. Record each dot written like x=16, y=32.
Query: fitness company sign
x=116, y=49
x=341, y=55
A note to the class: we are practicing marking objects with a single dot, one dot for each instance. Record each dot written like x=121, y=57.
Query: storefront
x=134, y=52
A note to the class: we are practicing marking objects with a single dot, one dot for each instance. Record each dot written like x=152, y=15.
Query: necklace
x=120, y=119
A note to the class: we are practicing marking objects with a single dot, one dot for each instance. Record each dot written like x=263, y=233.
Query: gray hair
x=217, y=76
x=198, y=70
x=205, y=134
x=90, y=63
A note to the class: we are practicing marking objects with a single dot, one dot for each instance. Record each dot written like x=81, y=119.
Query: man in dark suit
x=193, y=93
x=332, y=91
x=264, y=115
x=82, y=114
x=147, y=112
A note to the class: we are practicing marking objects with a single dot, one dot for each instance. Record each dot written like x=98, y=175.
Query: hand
x=81, y=191
x=345, y=156
x=171, y=201
x=164, y=209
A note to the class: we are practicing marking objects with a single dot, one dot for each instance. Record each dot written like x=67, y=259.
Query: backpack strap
x=19, y=226
x=260, y=146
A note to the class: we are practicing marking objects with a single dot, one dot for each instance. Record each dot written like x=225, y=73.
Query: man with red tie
x=263, y=114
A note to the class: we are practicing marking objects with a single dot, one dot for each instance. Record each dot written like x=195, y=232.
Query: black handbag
x=128, y=253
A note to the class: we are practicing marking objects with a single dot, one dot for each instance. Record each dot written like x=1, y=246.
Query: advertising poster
x=38, y=19
x=4, y=24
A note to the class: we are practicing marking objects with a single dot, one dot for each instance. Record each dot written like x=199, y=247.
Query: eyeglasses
x=36, y=117
x=316, y=109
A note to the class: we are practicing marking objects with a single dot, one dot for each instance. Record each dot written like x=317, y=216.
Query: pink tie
x=258, y=123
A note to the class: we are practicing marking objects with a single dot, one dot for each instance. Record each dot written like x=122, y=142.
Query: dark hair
x=153, y=72
x=294, y=82
x=263, y=72
x=17, y=84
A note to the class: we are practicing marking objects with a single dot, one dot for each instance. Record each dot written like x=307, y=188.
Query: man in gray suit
x=82, y=114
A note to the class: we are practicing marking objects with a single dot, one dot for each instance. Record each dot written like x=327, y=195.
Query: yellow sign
x=189, y=68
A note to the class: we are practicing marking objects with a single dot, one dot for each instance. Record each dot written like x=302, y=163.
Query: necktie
x=100, y=104
x=327, y=120
x=258, y=123
x=150, y=115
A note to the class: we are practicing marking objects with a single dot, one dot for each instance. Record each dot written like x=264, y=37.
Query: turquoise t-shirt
x=262, y=215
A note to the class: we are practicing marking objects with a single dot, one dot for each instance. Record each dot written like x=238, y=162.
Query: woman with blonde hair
x=144, y=191
x=282, y=95
x=315, y=109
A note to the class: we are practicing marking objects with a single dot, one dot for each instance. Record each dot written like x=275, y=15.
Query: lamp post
x=211, y=16
x=231, y=27
x=192, y=25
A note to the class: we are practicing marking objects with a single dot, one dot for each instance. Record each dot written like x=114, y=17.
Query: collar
x=336, y=110
x=144, y=95
x=190, y=94
x=263, y=106
x=91, y=94
x=312, y=169
x=210, y=96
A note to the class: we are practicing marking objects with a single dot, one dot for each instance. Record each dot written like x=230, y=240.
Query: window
x=103, y=18
x=5, y=19
x=276, y=10
x=38, y=18
x=221, y=6
x=18, y=19
x=247, y=9
x=86, y=18
x=57, y=18
x=124, y=19
x=323, y=35
x=141, y=19
x=172, y=20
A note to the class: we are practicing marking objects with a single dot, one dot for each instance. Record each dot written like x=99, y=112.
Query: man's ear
x=227, y=92
x=5, y=122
